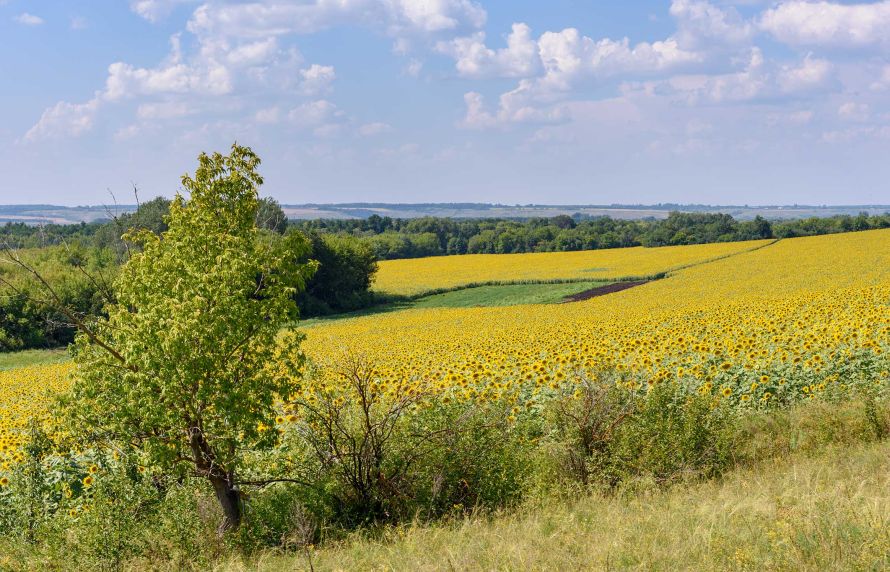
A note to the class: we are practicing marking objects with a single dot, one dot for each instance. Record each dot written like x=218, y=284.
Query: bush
x=602, y=436
x=369, y=457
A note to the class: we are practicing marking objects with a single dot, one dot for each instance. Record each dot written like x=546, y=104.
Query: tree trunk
x=229, y=499
x=227, y=494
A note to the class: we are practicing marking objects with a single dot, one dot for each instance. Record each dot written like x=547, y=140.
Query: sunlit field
x=792, y=320
x=417, y=276
x=781, y=323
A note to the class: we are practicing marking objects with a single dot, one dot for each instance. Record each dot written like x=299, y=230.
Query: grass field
x=830, y=511
x=507, y=295
x=31, y=357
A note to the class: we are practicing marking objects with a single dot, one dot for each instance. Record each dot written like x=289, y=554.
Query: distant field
x=417, y=276
x=509, y=295
x=42, y=214
x=777, y=313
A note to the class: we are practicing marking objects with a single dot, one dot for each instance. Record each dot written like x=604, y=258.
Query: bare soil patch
x=602, y=290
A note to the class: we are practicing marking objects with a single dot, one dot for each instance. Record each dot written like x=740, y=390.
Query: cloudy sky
x=513, y=101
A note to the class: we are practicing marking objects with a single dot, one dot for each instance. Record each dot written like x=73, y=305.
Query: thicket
x=81, y=265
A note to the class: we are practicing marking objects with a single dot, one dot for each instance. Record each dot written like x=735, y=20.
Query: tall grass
x=825, y=512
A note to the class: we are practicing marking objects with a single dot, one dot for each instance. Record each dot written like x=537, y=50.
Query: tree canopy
x=188, y=363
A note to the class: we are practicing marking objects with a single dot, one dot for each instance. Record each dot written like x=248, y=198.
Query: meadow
x=746, y=361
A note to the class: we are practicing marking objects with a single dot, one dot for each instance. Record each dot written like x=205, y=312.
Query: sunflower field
x=791, y=320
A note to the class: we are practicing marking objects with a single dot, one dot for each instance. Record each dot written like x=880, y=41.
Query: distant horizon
x=60, y=214
x=482, y=204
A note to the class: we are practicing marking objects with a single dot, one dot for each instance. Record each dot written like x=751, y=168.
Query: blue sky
x=519, y=101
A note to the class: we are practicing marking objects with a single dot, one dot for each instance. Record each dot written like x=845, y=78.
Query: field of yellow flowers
x=771, y=323
x=26, y=394
x=420, y=275
x=792, y=320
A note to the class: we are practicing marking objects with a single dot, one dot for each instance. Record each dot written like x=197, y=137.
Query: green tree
x=343, y=281
x=270, y=215
x=188, y=364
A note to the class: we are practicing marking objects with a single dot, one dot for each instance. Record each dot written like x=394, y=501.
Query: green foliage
x=270, y=216
x=602, y=436
x=30, y=316
x=673, y=436
x=429, y=236
x=343, y=280
x=365, y=458
x=178, y=369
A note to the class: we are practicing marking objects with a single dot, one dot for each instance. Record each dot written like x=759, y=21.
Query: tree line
x=394, y=238
x=81, y=261
x=391, y=238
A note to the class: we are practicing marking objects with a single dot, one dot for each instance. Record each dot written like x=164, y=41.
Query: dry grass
x=824, y=512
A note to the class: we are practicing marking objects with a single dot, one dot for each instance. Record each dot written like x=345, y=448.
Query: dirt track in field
x=602, y=291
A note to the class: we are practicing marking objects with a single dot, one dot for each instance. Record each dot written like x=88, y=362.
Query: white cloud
x=568, y=56
x=162, y=110
x=125, y=80
x=248, y=53
x=312, y=114
x=279, y=17
x=78, y=23
x=473, y=59
x=317, y=79
x=703, y=25
x=155, y=10
x=831, y=24
x=476, y=117
x=413, y=68
x=267, y=115
x=370, y=129
x=64, y=120
x=812, y=73
x=28, y=19
x=852, y=111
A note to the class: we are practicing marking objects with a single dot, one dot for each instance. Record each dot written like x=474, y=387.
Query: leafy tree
x=343, y=281
x=187, y=365
x=270, y=216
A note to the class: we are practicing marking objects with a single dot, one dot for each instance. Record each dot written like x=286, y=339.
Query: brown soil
x=602, y=291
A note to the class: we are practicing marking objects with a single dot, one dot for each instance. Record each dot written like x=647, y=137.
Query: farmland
x=752, y=330
x=765, y=326
x=425, y=275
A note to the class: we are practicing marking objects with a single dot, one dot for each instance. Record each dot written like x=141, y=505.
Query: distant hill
x=43, y=214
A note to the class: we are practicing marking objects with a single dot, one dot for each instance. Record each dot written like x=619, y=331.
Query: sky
x=509, y=101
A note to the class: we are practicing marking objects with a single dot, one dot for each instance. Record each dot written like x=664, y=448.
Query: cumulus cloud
x=317, y=79
x=155, y=10
x=64, y=120
x=829, y=24
x=28, y=19
x=474, y=59
x=312, y=114
x=700, y=24
x=394, y=17
x=811, y=74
